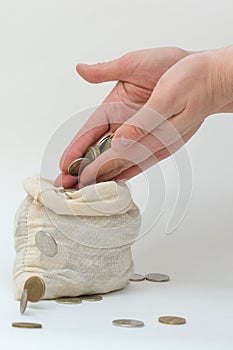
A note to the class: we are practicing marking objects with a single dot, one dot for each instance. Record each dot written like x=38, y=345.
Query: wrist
x=220, y=63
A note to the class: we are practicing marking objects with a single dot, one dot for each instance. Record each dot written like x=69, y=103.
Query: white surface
x=40, y=44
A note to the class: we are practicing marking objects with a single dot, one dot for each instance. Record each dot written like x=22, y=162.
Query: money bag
x=79, y=242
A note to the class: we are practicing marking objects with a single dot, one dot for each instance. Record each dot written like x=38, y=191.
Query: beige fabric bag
x=93, y=228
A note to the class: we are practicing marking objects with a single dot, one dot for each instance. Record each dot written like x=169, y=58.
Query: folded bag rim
x=102, y=199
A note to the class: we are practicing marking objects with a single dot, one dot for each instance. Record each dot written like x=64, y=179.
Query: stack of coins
x=77, y=166
x=33, y=291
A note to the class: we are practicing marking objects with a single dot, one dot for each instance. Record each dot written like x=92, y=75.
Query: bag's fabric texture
x=94, y=229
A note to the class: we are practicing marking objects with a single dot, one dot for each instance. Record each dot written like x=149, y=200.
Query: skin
x=161, y=98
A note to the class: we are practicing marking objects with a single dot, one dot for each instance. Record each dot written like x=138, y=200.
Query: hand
x=137, y=74
x=193, y=88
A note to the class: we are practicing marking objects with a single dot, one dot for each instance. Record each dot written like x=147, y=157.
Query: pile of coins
x=152, y=277
x=77, y=166
x=34, y=291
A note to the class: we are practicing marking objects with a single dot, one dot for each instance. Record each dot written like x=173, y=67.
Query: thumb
x=101, y=72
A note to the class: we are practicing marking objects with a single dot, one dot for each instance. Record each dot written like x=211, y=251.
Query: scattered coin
x=46, y=244
x=26, y=325
x=128, y=323
x=36, y=288
x=173, y=320
x=157, y=277
x=67, y=300
x=23, y=301
x=77, y=166
x=136, y=277
x=91, y=297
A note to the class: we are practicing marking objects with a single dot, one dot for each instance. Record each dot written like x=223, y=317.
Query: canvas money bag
x=77, y=242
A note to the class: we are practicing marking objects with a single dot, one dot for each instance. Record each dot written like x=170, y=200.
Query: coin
x=92, y=153
x=36, y=288
x=128, y=323
x=77, y=166
x=157, y=277
x=91, y=297
x=26, y=325
x=23, y=301
x=136, y=277
x=46, y=244
x=173, y=320
x=105, y=143
x=70, y=190
x=69, y=300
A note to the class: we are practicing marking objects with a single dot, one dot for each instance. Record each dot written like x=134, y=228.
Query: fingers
x=119, y=158
x=115, y=161
x=155, y=158
x=101, y=72
x=96, y=127
x=66, y=181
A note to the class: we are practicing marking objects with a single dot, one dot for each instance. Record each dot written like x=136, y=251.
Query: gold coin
x=26, y=325
x=67, y=300
x=174, y=320
x=36, y=288
x=23, y=301
x=92, y=297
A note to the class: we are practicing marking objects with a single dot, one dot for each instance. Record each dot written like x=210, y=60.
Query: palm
x=142, y=71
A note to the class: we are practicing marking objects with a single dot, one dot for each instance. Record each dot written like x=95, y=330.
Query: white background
x=41, y=42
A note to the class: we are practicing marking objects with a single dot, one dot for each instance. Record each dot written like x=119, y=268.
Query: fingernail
x=120, y=142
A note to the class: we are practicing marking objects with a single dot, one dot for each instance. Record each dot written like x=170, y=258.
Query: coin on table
x=136, y=277
x=69, y=300
x=46, y=244
x=157, y=277
x=77, y=166
x=128, y=323
x=91, y=297
x=23, y=301
x=36, y=288
x=26, y=325
x=92, y=153
x=173, y=320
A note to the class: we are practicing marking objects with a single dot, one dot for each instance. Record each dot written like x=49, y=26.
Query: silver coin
x=91, y=297
x=157, y=277
x=92, y=153
x=136, y=277
x=24, y=301
x=128, y=323
x=76, y=167
x=105, y=143
x=46, y=244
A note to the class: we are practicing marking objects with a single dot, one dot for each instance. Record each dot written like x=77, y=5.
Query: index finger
x=96, y=126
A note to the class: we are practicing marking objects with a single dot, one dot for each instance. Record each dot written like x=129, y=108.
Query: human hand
x=137, y=74
x=192, y=89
